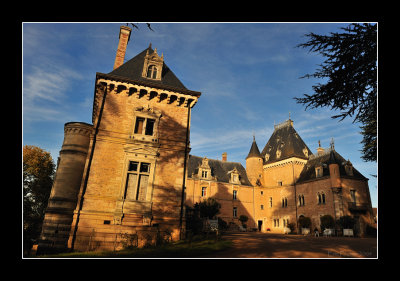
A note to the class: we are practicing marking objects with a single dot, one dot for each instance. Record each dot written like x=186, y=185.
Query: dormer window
x=235, y=176
x=318, y=171
x=204, y=169
x=153, y=65
x=348, y=168
x=152, y=72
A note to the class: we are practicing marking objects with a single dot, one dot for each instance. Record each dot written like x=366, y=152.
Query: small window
x=234, y=194
x=107, y=222
x=323, y=198
x=353, y=195
x=262, y=192
x=204, y=174
x=144, y=125
x=270, y=202
x=301, y=200
x=203, y=191
x=279, y=183
x=235, y=212
x=262, y=207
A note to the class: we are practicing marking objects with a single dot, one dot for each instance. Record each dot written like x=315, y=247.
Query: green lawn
x=180, y=249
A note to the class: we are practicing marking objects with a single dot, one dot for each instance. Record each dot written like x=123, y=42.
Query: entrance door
x=259, y=225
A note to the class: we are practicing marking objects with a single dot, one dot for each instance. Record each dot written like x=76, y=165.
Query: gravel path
x=267, y=245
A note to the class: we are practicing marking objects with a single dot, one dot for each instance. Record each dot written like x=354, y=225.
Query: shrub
x=292, y=227
x=370, y=231
x=305, y=222
x=346, y=222
x=327, y=221
x=243, y=219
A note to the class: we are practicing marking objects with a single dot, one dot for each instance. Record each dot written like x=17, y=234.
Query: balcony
x=358, y=207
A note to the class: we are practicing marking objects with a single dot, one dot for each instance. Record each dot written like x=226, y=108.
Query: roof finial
x=289, y=115
x=319, y=143
x=149, y=46
x=254, y=136
x=332, y=144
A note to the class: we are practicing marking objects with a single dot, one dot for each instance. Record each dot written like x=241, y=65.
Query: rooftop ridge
x=325, y=152
x=283, y=124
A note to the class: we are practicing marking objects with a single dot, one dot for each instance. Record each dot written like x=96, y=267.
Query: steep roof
x=132, y=70
x=308, y=172
x=219, y=169
x=284, y=143
x=254, y=151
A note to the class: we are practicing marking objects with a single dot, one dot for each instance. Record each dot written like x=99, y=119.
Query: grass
x=180, y=249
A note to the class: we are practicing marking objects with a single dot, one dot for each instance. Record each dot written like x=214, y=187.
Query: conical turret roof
x=254, y=151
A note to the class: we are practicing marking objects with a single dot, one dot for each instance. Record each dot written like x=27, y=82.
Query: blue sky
x=248, y=74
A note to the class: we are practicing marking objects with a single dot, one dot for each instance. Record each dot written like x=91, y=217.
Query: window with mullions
x=137, y=181
x=152, y=72
x=144, y=126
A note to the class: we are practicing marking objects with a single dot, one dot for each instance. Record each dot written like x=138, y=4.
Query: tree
x=351, y=69
x=208, y=208
x=38, y=172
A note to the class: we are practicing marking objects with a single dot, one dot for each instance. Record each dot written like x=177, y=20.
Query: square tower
x=135, y=169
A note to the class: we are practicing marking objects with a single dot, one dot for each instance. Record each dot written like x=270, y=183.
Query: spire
x=332, y=157
x=254, y=151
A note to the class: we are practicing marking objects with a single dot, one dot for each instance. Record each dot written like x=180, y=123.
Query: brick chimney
x=124, y=35
x=224, y=156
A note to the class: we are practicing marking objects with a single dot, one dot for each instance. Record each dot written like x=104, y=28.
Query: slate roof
x=308, y=172
x=254, y=151
x=219, y=169
x=287, y=140
x=132, y=71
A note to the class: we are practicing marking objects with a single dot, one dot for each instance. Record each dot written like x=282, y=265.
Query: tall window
x=152, y=72
x=321, y=198
x=235, y=212
x=203, y=191
x=204, y=174
x=137, y=181
x=270, y=202
x=144, y=126
x=284, y=202
x=353, y=195
x=234, y=194
x=301, y=200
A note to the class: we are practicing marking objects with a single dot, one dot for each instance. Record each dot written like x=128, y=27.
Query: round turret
x=67, y=182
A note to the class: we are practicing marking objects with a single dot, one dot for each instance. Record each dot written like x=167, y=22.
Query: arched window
x=323, y=198
x=319, y=198
x=152, y=72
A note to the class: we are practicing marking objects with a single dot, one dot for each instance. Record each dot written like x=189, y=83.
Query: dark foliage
x=351, y=69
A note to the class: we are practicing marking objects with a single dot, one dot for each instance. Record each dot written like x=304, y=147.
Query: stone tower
x=64, y=193
x=135, y=173
x=254, y=164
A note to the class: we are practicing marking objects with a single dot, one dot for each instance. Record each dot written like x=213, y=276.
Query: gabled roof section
x=284, y=143
x=132, y=71
x=308, y=172
x=254, y=151
x=219, y=169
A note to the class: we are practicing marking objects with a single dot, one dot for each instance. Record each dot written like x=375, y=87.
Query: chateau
x=130, y=171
